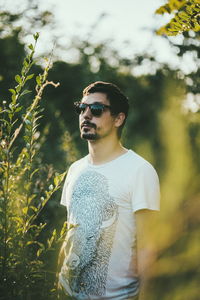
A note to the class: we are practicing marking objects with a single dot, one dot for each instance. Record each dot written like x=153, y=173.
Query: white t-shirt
x=100, y=246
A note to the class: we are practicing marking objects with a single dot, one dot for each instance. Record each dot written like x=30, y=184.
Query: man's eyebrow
x=96, y=102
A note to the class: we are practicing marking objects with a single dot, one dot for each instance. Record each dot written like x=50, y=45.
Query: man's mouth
x=86, y=132
x=87, y=124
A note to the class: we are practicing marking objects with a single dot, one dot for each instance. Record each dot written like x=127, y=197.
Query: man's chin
x=89, y=136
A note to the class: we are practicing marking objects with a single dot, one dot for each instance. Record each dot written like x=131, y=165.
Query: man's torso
x=99, y=261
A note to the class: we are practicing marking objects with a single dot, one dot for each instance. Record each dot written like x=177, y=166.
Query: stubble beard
x=89, y=136
x=86, y=134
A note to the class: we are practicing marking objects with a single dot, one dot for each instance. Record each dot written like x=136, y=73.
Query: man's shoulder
x=78, y=163
x=135, y=162
x=136, y=159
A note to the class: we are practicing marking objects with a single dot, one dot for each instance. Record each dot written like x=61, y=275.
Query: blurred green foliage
x=162, y=127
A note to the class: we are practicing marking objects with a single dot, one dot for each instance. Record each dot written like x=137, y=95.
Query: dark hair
x=118, y=101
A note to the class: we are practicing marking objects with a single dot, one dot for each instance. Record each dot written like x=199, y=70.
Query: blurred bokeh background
x=116, y=41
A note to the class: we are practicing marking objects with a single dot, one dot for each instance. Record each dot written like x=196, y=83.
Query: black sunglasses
x=95, y=108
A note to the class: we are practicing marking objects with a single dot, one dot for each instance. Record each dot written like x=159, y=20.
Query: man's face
x=96, y=127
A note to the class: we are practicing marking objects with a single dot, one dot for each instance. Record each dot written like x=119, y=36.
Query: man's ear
x=119, y=119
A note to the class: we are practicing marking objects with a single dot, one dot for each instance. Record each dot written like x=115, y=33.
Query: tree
x=186, y=16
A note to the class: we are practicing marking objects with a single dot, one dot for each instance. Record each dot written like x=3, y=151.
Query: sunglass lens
x=96, y=110
x=82, y=107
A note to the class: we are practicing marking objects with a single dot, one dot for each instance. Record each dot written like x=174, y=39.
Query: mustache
x=88, y=123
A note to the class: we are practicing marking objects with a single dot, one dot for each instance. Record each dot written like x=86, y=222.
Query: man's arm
x=146, y=221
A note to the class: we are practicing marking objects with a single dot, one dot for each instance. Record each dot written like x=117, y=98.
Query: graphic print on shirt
x=89, y=244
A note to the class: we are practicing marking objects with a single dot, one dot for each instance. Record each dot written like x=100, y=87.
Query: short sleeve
x=146, y=189
x=64, y=191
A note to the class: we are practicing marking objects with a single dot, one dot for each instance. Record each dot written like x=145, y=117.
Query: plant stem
x=5, y=212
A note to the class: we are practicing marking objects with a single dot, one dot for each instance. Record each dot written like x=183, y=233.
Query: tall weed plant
x=24, y=265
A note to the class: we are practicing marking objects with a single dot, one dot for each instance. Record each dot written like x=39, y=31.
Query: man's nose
x=87, y=113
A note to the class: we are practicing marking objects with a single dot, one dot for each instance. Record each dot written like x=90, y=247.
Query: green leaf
x=35, y=171
x=18, y=220
x=25, y=210
x=18, y=108
x=31, y=47
x=10, y=116
x=183, y=15
x=64, y=229
x=163, y=9
x=27, y=122
x=25, y=92
x=8, y=240
x=38, y=80
x=41, y=249
x=36, y=36
x=50, y=241
x=18, y=88
x=26, y=154
x=25, y=63
x=12, y=91
x=30, y=77
x=34, y=208
x=18, y=79
x=56, y=180
x=30, y=243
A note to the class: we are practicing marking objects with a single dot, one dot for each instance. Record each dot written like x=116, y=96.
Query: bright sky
x=125, y=20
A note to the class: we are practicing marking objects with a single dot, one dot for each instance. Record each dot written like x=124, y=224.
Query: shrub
x=23, y=195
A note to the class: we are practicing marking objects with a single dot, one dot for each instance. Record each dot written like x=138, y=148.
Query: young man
x=110, y=196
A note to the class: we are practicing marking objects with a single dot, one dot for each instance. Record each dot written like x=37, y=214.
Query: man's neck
x=102, y=151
